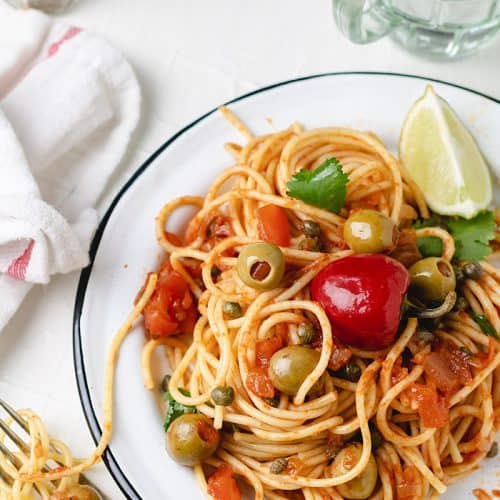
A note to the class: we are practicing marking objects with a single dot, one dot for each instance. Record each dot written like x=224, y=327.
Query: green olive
x=290, y=366
x=432, y=279
x=361, y=486
x=223, y=395
x=368, y=231
x=261, y=265
x=191, y=438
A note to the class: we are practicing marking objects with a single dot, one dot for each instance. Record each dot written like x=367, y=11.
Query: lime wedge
x=441, y=156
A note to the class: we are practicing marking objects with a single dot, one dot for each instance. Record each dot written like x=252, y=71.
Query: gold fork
x=84, y=491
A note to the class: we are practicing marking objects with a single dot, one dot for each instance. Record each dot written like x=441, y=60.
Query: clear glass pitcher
x=438, y=28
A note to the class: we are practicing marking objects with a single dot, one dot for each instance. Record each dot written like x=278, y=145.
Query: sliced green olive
x=191, y=438
x=290, y=366
x=223, y=396
x=368, y=231
x=432, y=279
x=261, y=265
x=361, y=486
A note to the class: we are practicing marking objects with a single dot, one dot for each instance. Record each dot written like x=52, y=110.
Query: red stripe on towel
x=71, y=32
x=17, y=268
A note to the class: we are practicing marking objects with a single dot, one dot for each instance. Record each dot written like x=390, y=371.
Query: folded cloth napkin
x=69, y=103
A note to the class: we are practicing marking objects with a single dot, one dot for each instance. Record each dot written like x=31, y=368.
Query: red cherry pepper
x=362, y=296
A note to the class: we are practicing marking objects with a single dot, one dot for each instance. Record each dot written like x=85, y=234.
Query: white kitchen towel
x=69, y=103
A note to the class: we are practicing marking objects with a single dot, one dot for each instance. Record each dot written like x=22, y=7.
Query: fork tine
x=10, y=456
x=5, y=477
x=14, y=437
x=15, y=416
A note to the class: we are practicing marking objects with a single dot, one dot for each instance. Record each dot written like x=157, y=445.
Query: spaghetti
x=413, y=461
x=219, y=332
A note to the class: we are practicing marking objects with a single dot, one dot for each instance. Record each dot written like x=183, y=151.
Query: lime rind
x=442, y=157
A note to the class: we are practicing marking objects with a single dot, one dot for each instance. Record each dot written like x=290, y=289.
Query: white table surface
x=190, y=56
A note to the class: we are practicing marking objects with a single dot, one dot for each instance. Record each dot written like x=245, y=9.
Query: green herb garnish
x=176, y=409
x=485, y=325
x=325, y=187
x=471, y=236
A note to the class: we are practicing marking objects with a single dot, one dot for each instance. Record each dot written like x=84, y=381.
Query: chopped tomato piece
x=273, y=225
x=171, y=309
x=222, y=486
x=212, y=229
x=264, y=349
x=193, y=267
x=406, y=250
x=259, y=383
x=173, y=238
x=432, y=407
x=448, y=368
x=206, y=432
x=340, y=356
x=410, y=485
x=399, y=372
x=294, y=467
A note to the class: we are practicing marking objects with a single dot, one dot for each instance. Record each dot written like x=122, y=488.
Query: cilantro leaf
x=175, y=409
x=472, y=236
x=485, y=325
x=324, y=187
x=430, y=246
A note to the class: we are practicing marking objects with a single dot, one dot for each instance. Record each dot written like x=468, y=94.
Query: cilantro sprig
x=176, y=409
x=472, y=236
x=324, y=187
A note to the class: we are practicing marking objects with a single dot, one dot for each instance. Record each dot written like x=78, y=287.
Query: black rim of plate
x=83, y=389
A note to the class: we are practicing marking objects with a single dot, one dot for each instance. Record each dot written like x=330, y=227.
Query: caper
x=223, y=396
x=165, y=382
x=351, y=371
x=467, y=352
x=432, y=279
x=290, y=366
x=459, y=274
x=473, y=270
x=278, y=466
x=424, y=336
x=274, y=402
x=461, y=304
x=191, y=438
x=377, y=438
x=215, y=272
x=232, y=309
x=306, y=333
x=310, y=244
x=311, y=229
x=368, y=231
x=362, y=485
x=261, y=265
x=493, y=451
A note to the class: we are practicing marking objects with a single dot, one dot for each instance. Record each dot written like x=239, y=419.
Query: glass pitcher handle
x=362, y=21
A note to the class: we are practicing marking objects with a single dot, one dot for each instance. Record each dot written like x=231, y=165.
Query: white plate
x=124, y=248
